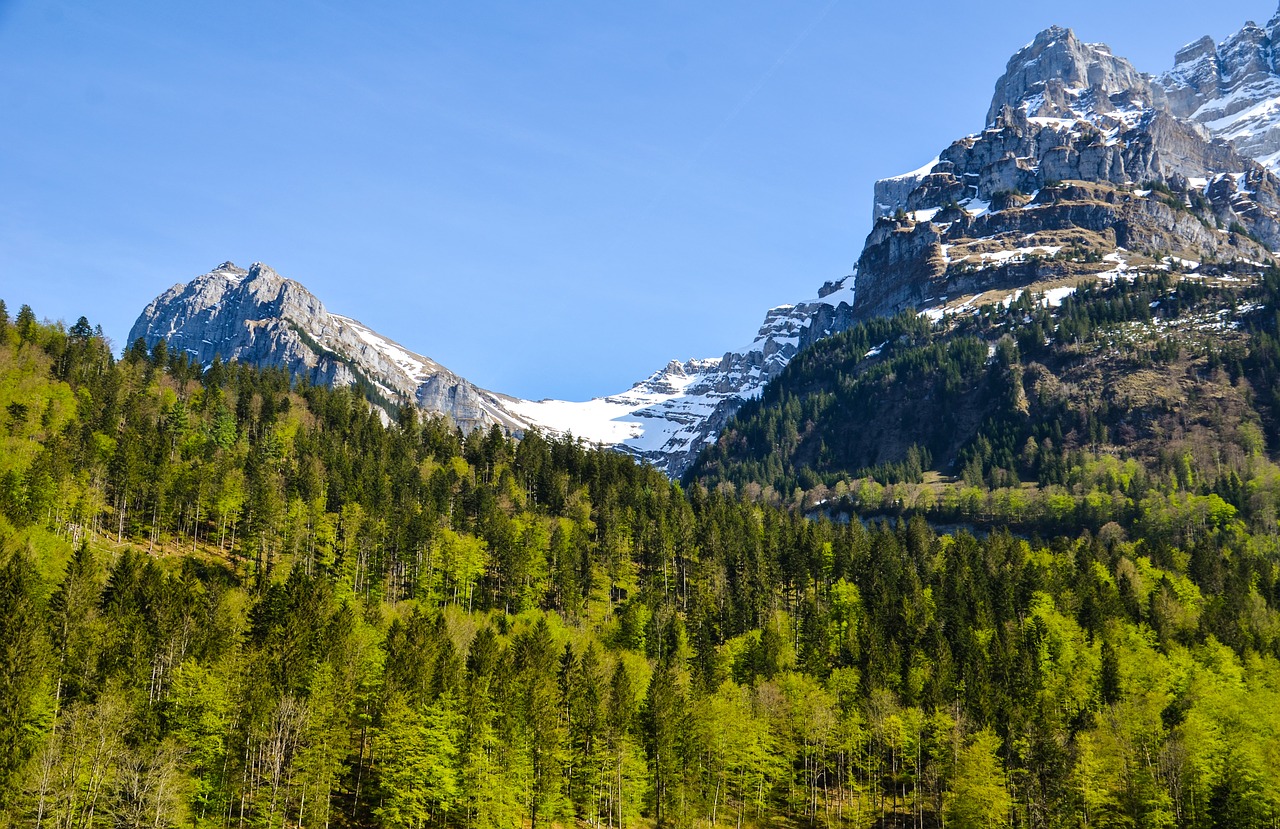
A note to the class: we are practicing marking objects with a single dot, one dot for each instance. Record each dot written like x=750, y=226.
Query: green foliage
x=24, y=656
x=242, y=601
x=418, y=768
x=978, y=797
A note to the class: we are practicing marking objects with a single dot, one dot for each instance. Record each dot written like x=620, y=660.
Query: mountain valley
x=984, y=535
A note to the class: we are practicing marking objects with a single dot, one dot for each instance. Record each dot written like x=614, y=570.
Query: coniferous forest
x=1149, y=403
x=229, y=599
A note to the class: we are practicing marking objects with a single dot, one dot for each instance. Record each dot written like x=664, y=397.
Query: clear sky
x=551, y=198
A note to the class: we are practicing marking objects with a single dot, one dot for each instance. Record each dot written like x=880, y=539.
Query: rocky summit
x=1084, y=160
x=257, y=316
x=1232, y=88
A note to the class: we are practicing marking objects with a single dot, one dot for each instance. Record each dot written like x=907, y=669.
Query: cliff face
x=1066, y=110
x=930, y=260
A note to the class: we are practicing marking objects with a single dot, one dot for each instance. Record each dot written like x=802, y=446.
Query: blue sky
x=551, y=198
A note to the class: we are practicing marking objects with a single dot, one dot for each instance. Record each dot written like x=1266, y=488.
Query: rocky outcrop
x=918, y=263
x=900, y=266
x=1068, y=111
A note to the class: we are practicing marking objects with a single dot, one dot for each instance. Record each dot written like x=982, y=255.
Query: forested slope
x=1149, y=401
x=228, y=600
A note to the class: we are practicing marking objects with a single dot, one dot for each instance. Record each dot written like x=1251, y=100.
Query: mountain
x=673, y=415
x=1090, y=278
x=259, y=317
x=1088, y=168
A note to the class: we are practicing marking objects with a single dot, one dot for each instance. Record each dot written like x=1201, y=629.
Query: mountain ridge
x=1084, y=159
x=261, y=317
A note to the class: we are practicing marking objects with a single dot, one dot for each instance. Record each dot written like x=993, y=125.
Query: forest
x=1149, y=402
x=233, y=599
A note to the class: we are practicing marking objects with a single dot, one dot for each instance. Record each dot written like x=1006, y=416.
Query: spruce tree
x=26, y=324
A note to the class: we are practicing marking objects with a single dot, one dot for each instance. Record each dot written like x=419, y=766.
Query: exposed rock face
x=1067, y=111
x=1058, y=76
x=1056, y=236
x=1023, y=154
x=1233, y=88
x=259, y=317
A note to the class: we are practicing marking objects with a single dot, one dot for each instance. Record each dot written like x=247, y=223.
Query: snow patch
x=1020, y=254
x=1055, y=296
x=918, y=173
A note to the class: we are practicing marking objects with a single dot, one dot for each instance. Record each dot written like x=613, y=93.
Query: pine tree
x=1109, y=680
x=26, y=324
x=539, y=702
x=418, y=774
x=662, y=719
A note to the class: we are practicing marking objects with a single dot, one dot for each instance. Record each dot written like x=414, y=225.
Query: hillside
x=1151, y=382
x=232, y=600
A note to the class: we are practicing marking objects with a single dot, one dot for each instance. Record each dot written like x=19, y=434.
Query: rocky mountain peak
x=1071, y=113
x=260, y=317
x=1057, y=75
x=1246, y=56
x=265, y=282
x=1232, y=88
x=1197, y=50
